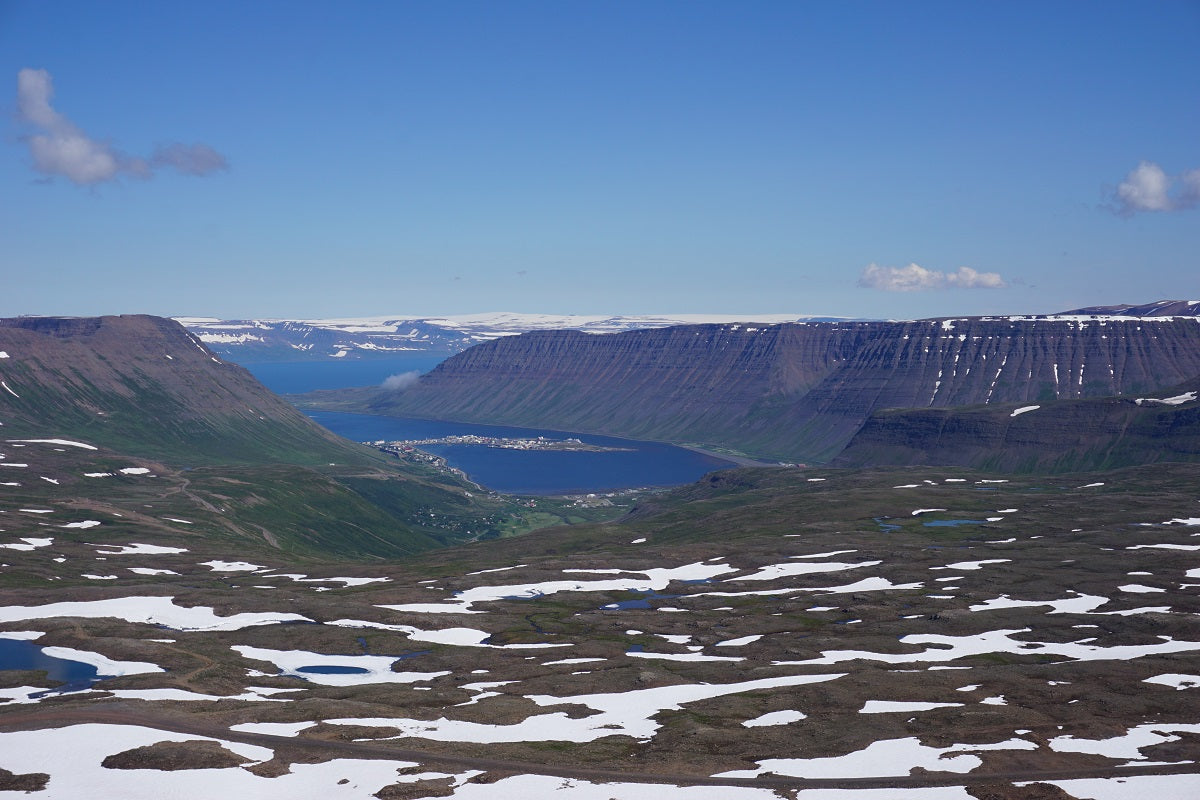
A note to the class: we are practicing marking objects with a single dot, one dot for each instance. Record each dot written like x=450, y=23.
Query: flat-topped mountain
x=145, y=385
x=790, y=391
x=249, y=341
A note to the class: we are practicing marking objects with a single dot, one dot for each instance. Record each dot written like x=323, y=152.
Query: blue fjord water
x=635, y=464
x=544, y=472
x=297, y=377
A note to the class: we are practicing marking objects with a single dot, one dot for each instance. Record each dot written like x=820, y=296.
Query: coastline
x=737, y=460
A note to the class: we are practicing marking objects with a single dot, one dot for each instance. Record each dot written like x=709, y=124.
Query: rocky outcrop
x=792, y=391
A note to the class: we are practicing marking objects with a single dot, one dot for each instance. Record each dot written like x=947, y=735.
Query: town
x=504, y=442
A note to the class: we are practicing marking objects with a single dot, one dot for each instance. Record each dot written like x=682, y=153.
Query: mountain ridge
x=796, y=392
x=258, y=340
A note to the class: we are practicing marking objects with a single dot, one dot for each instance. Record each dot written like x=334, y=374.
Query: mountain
x=1061, y=436
x=787, y=391
x=1161, y=308
x=761, y=632
x=92, y=398
x=249, y=341
x=145, y=385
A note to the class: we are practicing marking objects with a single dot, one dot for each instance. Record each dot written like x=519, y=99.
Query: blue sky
x=333, y=159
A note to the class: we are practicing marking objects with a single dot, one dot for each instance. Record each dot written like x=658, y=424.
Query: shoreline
x=737, y=460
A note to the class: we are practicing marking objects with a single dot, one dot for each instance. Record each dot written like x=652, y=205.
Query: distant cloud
x=915, y=278
x=1150, y=188
x=398, y=383
x=196, y=159
x=59, y=147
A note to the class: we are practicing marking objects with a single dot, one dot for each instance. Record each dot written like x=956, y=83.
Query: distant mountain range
x=1161, y=308
x=259, y=340
x=940, y=391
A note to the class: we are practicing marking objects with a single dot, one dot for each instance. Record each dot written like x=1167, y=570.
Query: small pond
x=75, y=676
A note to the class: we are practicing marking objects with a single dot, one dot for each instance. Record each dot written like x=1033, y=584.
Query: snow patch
x=63, y=442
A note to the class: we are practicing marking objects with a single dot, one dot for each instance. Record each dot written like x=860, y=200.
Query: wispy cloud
x=915, y=278
x=1149, y=188
x=60, y=147
x=400, y=382
x=190, y=159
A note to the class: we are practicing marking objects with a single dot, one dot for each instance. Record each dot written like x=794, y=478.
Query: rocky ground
x=765, y=633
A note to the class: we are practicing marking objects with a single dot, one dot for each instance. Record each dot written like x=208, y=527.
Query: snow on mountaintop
x=1159, y=308
x=379, y=336
x=360, y=336
x=583, y=322
x=495, y=321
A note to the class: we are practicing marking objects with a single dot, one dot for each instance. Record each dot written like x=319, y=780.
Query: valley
x=588, y=400
x=349, y=626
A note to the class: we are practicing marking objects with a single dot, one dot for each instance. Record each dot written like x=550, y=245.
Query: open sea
x=542, y=472
x=297, y=377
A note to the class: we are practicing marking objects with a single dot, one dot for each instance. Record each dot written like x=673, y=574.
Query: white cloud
x=59, y=147
x=402, y=381
x=967, y=278
x=914, y=278
x=1149, y=188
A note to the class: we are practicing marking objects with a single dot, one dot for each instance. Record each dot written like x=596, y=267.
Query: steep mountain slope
x=1069, y=435
x=793, y=391
x=146, y=386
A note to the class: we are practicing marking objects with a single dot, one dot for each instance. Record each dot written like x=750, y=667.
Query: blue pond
x=17, y=654
x=952, y=523
x=546, y=472
x=332, y=669
x=642, y=602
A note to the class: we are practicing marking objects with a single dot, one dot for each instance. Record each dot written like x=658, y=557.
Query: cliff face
x=794, y=391
x=145, y=385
